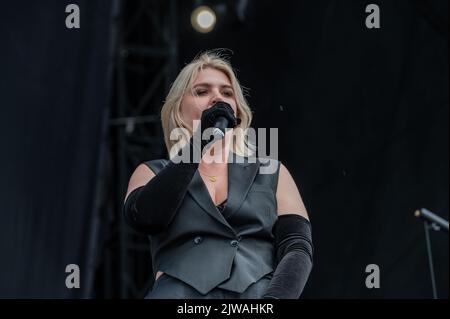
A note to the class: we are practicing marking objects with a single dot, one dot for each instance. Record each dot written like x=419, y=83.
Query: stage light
x=203, y=19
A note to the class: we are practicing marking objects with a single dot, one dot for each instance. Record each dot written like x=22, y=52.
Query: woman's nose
x=214, y=100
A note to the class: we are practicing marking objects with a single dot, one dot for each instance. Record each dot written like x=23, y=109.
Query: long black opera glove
x=150, y=209
x=294, y=255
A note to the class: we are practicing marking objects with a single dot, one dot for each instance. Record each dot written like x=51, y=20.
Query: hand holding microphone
x=219, y=117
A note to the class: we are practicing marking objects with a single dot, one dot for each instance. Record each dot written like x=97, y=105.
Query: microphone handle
x=219, y=127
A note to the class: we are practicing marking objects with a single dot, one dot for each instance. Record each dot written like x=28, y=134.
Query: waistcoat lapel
x=241, y=175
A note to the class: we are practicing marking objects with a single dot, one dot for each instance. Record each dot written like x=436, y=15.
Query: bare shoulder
x=289, y=200
x=141, y=176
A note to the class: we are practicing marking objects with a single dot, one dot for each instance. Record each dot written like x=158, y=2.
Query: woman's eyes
x=200, y=92
x=203, y=92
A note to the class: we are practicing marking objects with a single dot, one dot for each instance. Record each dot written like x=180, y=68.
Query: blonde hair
x=171, y=110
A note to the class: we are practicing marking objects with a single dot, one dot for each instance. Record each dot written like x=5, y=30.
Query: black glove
x=220, y=109
x=294, y=255
x=150, y=209
x=209, y=119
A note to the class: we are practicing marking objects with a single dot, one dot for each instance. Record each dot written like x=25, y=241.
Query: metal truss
x=145, y=63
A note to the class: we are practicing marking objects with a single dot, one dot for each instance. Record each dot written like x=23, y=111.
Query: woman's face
x=208, y=88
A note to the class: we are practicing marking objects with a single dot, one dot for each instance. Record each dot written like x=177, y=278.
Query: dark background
x=362, y=116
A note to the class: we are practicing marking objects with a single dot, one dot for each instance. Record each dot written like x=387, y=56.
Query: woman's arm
x=140, y=177
x=289, y=200
x=153, y=200
x=293, y=243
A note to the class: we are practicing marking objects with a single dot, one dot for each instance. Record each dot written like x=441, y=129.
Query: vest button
x=198, y=240
x=234, y=243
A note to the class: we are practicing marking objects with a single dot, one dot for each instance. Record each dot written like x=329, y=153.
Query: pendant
x=213, y=179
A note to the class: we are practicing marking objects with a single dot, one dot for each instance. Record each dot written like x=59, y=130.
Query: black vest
x=206, y=248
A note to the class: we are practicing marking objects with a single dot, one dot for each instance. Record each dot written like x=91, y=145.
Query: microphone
x=432, y=218
x=219, y=117
x=220, y=125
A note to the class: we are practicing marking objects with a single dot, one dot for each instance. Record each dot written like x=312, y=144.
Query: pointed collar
x=241, y=174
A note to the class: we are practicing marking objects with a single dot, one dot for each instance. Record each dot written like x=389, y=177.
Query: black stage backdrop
x=53, y=92
x=362, y=117
x=363, y=127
